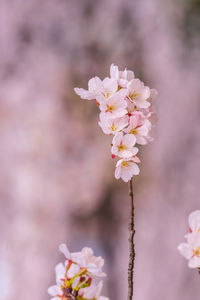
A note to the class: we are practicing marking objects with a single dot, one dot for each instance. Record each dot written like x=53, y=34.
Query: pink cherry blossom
x=56, y=290
x=97, y=87
x=85, y=259
x=123, y=145
x=140, y=129
x=126, y=168
x=122, y=77
x=76, y=276
x=126, y=111
x=191, y=249
x=94, y=88
x=111, y=126
x=115, y=106
x=93, y=292
x=138, y=93
x=194, y=221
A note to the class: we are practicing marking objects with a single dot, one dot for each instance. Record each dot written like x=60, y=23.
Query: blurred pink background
x=56, y=176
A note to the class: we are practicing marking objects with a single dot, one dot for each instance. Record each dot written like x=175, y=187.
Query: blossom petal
x=185, y=250
x=60, y=272
x=114, y=71
x=129, y=140
x=84, y=94
x=194, y=220
x=63, y=248
x=95, y=84
x=54, y=290
x=194, y=262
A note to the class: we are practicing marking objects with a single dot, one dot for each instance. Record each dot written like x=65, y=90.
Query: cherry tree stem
x=131, y=244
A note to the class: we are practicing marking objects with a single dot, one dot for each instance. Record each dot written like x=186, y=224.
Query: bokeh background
x=56, y=176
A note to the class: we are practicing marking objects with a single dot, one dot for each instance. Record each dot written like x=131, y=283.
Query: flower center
x=110, y=108
x=133, y=95
x=125, y=164
x=112, y=127
x=122, y=147
x=133, y=131
x=107, y=94
x=197, y=252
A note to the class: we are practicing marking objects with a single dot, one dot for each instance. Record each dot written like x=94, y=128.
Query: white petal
x=117, y=138
x=126, y=176
x=118, y=171
x=114, y=72
x=118, y=113
x=99, y=288
x=194, y=262
x=84, y=94
x=134, y=151
x=130, y=75
x=141, y=140
x=193, y=239
x=86, y=251
x=77, y=257
x=135, y=169
x=141, y=103
x=129, y=140
x=54, y=290
x=145, y=93
x=134, y=120
x=63, y=248
x=185, y=250
x=194, y=220
x=60, y=272
x=73, y=270
x=110, y=84
x=95, y=84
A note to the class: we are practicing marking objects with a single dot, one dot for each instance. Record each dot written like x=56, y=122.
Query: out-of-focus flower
x=56, y=290
x=85, y=259
x=76, y=275
x=126, y=107
x=191, y=249
x=93, y=292
x=126, y=168
x=194, y=221
x=123, y=145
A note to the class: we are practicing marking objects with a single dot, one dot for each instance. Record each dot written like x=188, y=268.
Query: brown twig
x=131, y=244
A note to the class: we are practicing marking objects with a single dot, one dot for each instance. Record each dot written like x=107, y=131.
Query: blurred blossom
x=75, y=278
x=5, y=280
x=191, y=249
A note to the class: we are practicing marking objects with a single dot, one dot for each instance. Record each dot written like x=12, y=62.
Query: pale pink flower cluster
x=125, y=105
x=191, y=249
x=76, y=278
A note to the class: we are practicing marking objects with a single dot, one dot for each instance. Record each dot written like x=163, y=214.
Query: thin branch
x=131, y=244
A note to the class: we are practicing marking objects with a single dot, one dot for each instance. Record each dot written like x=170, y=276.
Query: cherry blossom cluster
x=125, y=105
x=191, y=249
x=76, y=279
